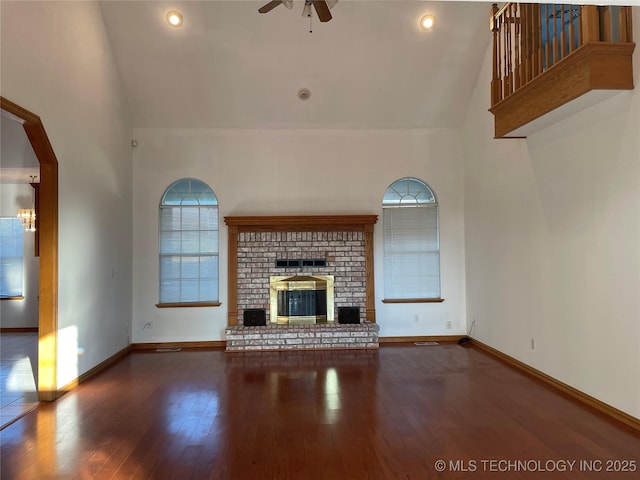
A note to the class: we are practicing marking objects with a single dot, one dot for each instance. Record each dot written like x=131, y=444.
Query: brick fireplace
x=336, y=247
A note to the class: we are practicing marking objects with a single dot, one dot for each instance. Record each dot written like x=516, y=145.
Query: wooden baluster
x=524, y=50
x=580, y=29
x=524, y=59
x=505, y=50
x=563, y=35
x=516, y=41
x=547, y=40
x=503, y=55
x=537, y=37
x=499, y=53
x=512, y=49
x=495, y=80
x=572, y=30
x=555, y=35
x=534, y=29
x=525, y=18
x=605, y=24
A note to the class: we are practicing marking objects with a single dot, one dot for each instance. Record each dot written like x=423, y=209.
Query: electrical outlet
x=533, y=344
x=449, y=325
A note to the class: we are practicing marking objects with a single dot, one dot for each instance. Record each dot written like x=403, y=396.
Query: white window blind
x=411, y=242
x=188, y=243
x=11, y=257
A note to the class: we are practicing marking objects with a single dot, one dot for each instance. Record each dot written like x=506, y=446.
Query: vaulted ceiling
x=229, y=66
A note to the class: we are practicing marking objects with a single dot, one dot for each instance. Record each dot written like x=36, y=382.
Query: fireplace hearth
x=336, y=249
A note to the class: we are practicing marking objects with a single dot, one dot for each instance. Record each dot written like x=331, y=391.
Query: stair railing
x=528, y=39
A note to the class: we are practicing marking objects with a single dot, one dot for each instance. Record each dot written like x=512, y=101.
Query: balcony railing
x=531, y=41
x=530, y=38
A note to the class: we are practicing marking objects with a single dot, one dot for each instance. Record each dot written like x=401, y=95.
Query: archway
x=48, y=239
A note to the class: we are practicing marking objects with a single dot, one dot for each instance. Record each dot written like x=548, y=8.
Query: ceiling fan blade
x=322, y=10
x=269, y=6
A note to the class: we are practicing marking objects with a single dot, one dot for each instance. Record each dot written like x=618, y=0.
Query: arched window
x=411, y=242
x=188, y=244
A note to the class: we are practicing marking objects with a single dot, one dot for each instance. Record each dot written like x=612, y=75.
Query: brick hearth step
x=308, y=337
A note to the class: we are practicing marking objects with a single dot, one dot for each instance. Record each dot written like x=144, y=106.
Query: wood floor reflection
x=387, y=414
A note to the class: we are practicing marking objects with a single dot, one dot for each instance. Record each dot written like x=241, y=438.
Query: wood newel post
x=590, y=24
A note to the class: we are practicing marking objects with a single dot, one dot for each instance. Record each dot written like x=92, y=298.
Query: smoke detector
x=304, y=94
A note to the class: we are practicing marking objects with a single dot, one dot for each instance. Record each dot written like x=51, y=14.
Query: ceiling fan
x=321, y=7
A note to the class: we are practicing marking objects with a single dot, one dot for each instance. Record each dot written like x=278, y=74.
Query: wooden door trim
x=48, y=233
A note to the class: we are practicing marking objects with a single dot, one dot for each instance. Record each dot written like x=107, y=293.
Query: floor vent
x=168, y=349
x=422, y=344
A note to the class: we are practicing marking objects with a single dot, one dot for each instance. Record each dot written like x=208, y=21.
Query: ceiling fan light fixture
x=427, y=22
x=304, y=94
x=174, y=18
x=321, y=7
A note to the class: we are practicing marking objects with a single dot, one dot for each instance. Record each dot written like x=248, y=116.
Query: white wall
x=57, y=63
x=21, y=313
x=295, y=172
x=552, y=228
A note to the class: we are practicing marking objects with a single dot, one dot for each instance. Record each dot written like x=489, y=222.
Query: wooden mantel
x=306, y=223
x=298, y=223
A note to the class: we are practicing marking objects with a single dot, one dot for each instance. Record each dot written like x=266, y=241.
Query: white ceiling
x=228, y=66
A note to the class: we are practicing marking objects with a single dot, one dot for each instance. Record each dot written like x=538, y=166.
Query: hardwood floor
x=387, y=414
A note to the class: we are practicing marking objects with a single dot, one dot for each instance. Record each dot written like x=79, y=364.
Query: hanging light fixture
x=28, y=215
x=28, y=218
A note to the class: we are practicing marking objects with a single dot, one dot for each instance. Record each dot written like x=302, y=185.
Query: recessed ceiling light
x=427, y=22
x=174, y=18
